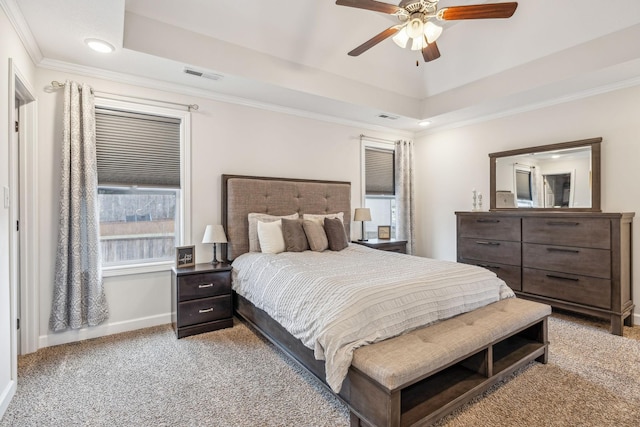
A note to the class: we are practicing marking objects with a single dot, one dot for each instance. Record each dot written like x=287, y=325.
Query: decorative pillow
x=254, y=242
x=270, y=237
x=295, y=240
x=335, y=234
x=315, y=235
x=319, y=218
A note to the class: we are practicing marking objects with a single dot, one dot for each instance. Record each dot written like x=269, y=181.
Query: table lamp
x=214, y=234
x=362, y=214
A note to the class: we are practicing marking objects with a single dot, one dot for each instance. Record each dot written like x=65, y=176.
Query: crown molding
x=14, y=14
x=147, y=83
x=599, y=90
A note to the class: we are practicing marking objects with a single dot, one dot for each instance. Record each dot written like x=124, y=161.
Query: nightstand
x=390, y=245
x=201, y=299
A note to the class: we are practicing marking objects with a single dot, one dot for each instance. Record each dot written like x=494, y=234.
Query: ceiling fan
x=416, y=21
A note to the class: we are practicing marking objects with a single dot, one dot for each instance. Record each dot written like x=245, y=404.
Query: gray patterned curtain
x=405, y=194
x=78, y=294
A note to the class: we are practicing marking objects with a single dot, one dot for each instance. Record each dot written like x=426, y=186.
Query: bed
x=397, y=374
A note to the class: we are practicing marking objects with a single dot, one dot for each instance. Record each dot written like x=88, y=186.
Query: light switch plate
x=6, y=197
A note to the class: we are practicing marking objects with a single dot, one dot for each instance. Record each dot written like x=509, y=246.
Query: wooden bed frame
x=421, y=401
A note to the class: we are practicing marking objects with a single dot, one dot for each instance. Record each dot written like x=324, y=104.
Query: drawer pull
x=573, y=251
x=572, y=279
x=205, y=310
x=480, y=242
x=205, y=285
x=495, y=221
x=561, y=223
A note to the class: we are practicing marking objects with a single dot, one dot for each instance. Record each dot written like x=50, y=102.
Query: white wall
x=226, y=138
x=10, y=48
x=613, y=116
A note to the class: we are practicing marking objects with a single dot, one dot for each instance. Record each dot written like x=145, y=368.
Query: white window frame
x=184, y=200
x=365, y=143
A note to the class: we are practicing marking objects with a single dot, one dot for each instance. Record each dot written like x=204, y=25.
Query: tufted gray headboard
x=242, y=195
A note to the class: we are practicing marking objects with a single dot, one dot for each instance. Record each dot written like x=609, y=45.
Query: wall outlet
x=6, y=197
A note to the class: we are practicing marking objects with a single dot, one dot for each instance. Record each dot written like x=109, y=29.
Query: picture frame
x=384, y=232
x=185, y=256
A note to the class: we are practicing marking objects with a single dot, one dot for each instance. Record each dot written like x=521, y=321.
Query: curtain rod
x=57, y=85
x=378, y=139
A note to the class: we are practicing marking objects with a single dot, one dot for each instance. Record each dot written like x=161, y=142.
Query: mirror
x=564, y=176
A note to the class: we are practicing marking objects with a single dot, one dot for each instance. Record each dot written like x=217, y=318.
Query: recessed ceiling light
x=100, y=45
x=424, y=123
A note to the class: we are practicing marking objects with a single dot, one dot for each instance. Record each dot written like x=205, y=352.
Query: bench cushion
x=401, y=360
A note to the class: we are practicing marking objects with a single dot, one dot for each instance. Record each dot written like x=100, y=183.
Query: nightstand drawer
x=204, y=285
x=204, y=310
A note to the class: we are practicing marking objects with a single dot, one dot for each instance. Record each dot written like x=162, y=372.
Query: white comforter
x=335, y=302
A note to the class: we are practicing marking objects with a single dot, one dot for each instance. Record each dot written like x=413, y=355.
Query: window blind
x=379, y=172
x=135, y=149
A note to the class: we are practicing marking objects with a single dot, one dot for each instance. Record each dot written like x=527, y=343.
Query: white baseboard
x=100, y=331
x=6, y=396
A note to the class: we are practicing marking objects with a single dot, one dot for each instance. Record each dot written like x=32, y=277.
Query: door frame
x=24, y=281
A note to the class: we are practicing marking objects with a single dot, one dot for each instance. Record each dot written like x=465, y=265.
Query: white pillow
x=253, y=218
x=270, y=237
x=319, y=219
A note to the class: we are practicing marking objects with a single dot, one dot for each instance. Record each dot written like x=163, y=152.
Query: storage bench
x=427, y=373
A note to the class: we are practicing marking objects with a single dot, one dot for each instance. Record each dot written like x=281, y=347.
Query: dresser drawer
x=489, y=227
x=583, y=261
x=576, y=231
x=511, y=274
x=204, y=310
x=567, y=287
x=204, y=285
x=489, y=250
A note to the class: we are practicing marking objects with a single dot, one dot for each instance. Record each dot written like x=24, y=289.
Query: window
x=141, y=183
x=137, y=224
x=379, y=178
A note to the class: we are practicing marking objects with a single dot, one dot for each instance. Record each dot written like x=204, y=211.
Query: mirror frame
x=594, y=143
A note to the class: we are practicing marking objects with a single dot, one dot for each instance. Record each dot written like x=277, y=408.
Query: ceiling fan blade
x=376, y=6
x=430, y=52
x=478, y=11
x=375, y=40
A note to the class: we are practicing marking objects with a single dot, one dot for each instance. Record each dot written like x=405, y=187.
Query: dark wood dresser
x=201, y=299
x=579, y=262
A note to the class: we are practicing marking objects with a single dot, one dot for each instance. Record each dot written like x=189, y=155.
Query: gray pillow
x=336, y=235
x=295, y=240
x=315, y=235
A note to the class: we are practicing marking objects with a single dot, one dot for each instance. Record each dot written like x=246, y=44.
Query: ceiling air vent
x=388, y=117
x=203, y=74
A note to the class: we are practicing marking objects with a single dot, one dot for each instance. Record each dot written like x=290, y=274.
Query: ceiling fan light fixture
x=401, y=38
x=419, y=42
x=415, y=28
x=432, y=31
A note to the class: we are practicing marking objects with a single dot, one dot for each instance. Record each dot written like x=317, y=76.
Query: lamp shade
x=432, y=31
x=401, y=38
x=362, y=214
x=214, y=234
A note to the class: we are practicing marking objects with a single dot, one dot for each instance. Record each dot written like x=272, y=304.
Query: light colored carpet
x=234, y=378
